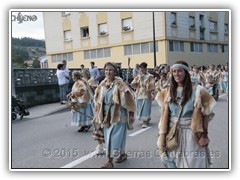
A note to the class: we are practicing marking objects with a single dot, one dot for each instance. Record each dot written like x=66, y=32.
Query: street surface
x=50, y=142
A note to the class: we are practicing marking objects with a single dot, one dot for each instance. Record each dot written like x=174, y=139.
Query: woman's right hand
x=203, y=141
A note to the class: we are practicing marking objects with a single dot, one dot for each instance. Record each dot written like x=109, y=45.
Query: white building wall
x=182, y=25
x=75, y=29
x=114, y=27
x=93, y=29
x=221, y=26
x=53, y=31
x=159, y=24
x=142, y=25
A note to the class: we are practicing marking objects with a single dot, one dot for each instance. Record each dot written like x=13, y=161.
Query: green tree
x=36, y=64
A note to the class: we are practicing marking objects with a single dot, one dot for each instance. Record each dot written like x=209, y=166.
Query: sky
x=32, y=27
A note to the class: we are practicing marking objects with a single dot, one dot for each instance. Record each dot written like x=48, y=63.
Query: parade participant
x=81, y=93
x=192, y=108
x=166, y=70
x=114, y=106
x=98, y=130
x=225, y=79
x=161, y=82
x=90, y=81
x=144, y=83
x=197, y=77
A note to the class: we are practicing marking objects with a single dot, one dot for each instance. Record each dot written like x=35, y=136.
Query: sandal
x=86, y=128
x=107, y=165
x=121, y=158
x=81, y=129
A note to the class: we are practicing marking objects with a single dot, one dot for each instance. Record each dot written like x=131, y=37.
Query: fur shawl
x=81, y=92
x=122, y=97
x=144, y=88
x=203, y=105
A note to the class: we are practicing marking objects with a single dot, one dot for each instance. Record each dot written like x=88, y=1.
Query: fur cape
x=122, y=97
x=81, y=92
x=146, y=87
x=203, y=106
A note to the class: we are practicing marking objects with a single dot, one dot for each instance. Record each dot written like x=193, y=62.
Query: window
x=212, y=48
x=128, y=50
x=196, y=47
x=141, y=48
x=191, y=22
x=152, y=48
x=213, y=26
x=102, y=29
x=226, y=28
x=201, y=19
x=97, y=53
x=173, y=18
x=67, y=35
x=145, y=48
x=93, y=54
x=60, y=57
x=136, y=49
x=84, y=32
x=107, y=52
x=127, y=24
x=176, y=46
x=224, y=48
x=87, y=54
x=100, y=53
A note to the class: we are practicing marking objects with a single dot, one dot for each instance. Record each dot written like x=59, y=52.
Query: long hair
x=187, y=86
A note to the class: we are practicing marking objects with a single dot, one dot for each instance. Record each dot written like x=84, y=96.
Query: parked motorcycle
x=19, y=109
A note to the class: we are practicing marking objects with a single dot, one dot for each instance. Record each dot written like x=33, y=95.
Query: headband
x=180, y=66
x=112, y=67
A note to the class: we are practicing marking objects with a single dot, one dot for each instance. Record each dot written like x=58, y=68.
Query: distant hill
x=26, y=49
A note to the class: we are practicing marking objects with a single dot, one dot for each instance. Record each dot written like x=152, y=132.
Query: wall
x=40, y=86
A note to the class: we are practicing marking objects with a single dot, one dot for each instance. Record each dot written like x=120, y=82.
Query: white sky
x=32, y=29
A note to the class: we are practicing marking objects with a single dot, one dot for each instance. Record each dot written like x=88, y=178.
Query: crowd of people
x=111, y=105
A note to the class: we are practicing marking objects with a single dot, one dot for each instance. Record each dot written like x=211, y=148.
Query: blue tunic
x=188, y=154
x=143, y=104
x=115, y=135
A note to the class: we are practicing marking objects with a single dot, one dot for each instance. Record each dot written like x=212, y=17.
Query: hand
x=69, y=95
x=203, y=142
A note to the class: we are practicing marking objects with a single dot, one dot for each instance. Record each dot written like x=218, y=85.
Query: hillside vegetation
x=26, y=49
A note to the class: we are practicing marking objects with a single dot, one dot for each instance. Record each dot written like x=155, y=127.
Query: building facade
x=198, y=37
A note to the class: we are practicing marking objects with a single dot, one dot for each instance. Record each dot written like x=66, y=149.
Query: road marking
x=222, y=95
x=138, y=132
x=90, y=155
x=80, y=160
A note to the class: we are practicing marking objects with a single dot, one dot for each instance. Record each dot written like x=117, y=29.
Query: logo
x=21, y=18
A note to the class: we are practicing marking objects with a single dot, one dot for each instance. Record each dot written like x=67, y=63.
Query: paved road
x=50, y=142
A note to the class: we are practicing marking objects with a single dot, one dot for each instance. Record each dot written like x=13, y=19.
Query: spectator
x=94, y=73
x=63, y=79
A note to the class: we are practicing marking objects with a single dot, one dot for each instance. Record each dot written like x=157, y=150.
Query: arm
x=204, y=140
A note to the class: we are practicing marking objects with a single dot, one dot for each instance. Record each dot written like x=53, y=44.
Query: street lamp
x=154, y=42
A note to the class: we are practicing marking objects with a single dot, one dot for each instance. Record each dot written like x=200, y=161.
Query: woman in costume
x=82, y=96
x=114, y=106
x=197, y=77
x=144, y=83
x=98, y=130
x=225, y=79
x=197, y=110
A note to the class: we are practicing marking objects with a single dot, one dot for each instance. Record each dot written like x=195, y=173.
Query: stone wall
x=40, y=86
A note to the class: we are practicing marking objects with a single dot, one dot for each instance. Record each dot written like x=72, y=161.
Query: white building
x=198, y=37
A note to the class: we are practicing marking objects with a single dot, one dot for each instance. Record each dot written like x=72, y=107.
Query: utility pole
x=154, y=42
